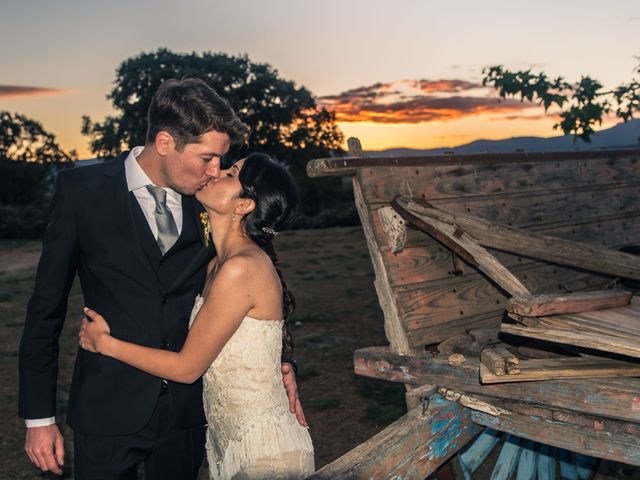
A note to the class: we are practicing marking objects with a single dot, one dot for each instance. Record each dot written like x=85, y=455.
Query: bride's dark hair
x=270, y=185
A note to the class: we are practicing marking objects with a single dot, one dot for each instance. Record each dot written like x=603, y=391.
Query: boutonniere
x=206, y=228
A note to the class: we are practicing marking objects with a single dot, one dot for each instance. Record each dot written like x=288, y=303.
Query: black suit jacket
x=96, y=228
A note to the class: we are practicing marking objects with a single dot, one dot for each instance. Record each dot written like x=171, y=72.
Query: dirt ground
x=330, y=273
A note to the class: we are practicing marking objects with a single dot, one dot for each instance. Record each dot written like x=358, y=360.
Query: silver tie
x=167, y=229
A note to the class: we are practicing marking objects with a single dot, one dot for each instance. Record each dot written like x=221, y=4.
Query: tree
x=29, y=156
x=282, y=117
x=285, y=120
x=583, y=104
x=24, y=139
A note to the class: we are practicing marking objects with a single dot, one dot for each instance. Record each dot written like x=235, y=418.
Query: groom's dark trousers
x=121, y=416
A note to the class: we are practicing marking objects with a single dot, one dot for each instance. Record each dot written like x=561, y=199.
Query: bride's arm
x=227, y=303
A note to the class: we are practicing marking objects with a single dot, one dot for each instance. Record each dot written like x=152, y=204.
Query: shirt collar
x=137, y=178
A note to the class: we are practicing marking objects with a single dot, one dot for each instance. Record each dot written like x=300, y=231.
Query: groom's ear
x=164, y=143
x=245, y=206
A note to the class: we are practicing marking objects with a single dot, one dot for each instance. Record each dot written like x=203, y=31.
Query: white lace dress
x=251, y=432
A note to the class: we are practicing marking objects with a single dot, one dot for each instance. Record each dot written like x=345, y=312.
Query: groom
x=130, y=228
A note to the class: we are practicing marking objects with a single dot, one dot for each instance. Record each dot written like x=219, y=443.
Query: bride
x=236, y=332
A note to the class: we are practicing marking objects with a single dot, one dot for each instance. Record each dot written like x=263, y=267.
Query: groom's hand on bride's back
x=290, y=385
x=45, y=448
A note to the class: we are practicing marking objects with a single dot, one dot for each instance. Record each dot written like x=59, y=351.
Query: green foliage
x=283, y=118
x=24, y=139
x=583, y=104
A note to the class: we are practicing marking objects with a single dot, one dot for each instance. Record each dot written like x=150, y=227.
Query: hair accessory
x=206, y=228
x=269, y=231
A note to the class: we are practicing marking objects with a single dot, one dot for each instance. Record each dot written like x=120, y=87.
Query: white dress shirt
x=137, y=180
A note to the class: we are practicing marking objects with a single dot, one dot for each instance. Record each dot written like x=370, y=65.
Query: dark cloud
x=445, y=86
x=523, y=117
x=24, y=91
x=417, y=101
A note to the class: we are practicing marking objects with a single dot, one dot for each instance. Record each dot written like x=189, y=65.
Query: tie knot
x=158, y=194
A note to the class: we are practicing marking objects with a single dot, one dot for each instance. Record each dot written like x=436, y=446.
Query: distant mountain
x=623, y=135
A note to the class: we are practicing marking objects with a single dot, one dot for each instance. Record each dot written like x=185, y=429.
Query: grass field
x=330, y=273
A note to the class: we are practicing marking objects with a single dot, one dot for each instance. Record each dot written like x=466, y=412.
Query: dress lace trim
x=245, y=403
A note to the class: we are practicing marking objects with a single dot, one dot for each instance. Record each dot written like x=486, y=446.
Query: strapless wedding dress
x=252, y=434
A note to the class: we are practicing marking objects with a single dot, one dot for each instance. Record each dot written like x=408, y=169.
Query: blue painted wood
x=508, y=459
x=478, y=451
x=527, y=463
x=568, y=470
x=585, y=465
x=546, y=463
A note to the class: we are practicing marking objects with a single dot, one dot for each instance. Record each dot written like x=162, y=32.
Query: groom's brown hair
x=189, y=108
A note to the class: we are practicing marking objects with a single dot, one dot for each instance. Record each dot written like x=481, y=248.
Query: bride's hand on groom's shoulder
x=94, y=328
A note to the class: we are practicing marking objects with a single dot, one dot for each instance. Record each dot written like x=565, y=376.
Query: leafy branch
x=582, y=105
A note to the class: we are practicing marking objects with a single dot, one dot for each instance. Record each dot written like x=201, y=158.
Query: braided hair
x=270, y=185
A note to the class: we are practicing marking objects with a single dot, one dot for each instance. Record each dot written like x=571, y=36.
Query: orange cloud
x=418, y=101
x=7, y=91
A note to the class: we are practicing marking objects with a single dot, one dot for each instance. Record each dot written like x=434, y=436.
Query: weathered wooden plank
x=419, y=395
x=613, y=398
x=384, y=183
x=527, y=463
x=606, y=343
x=461, y=304
x=394, y=228
x=546, y=463
x=620, y=321
x=544, y=247
x=608, y=322
x=350, y=164
x=620, y=448
x=543, y=212
x=463, y=244
x=393, y=325
x=557, y=368
x=507, y=460
x=568, y=470
x=546, y=304
x=478, y=450
x=585, y=465
x=498, y=361
x=528, y=208
x=551, y=413
x=412, y=447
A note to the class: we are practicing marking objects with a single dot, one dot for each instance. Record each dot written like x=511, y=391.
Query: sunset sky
x=404, y=73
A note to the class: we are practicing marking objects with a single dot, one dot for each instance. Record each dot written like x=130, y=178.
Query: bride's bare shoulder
x=249, y=263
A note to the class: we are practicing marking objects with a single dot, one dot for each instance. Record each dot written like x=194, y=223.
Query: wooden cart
x=441, y=296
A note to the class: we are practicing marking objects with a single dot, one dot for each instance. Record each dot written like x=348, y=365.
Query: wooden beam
x=349, y=165
x=619, y=447
x=525, y=242
x=541, y=305
x=462, y=243
x=393, y=327
x=499, y=361
x=567, y=367
x=414, y=446
x=611, y=398
x=587, y=339
x=419, y=396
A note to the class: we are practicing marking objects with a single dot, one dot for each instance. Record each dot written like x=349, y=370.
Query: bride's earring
x=233, y=217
